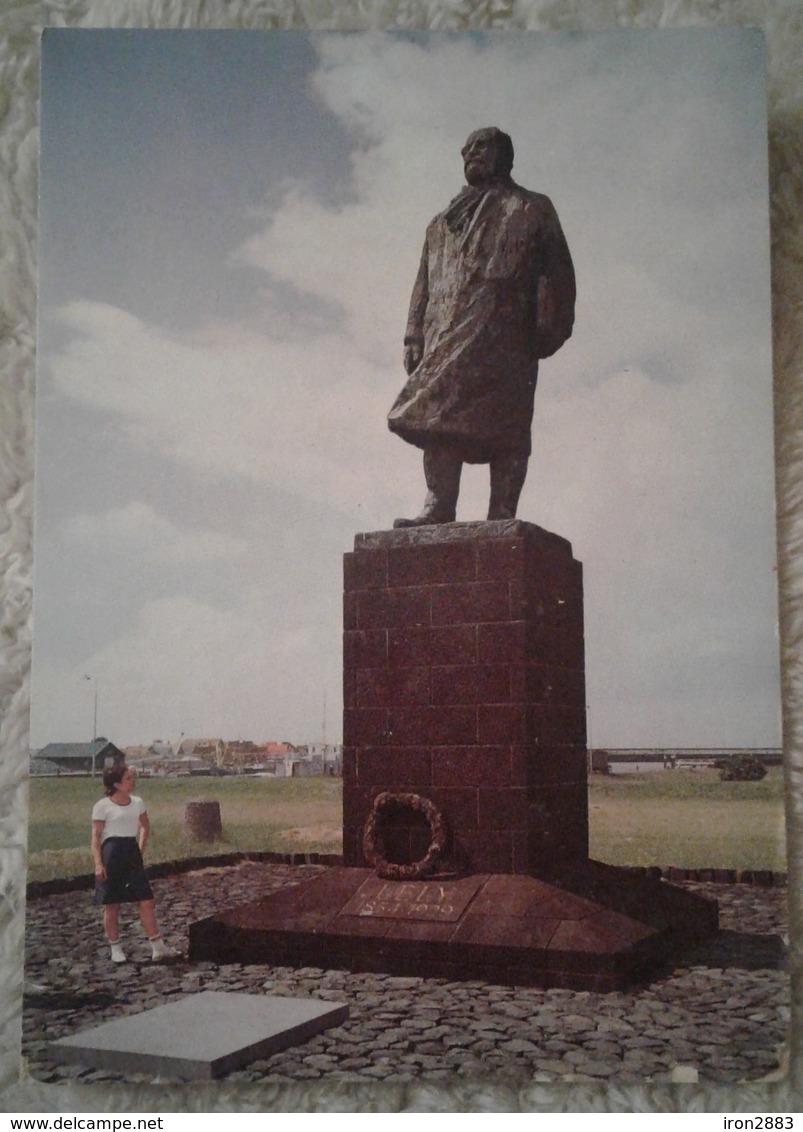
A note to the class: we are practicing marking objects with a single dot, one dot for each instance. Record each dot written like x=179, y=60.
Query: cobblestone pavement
x=724, y=1010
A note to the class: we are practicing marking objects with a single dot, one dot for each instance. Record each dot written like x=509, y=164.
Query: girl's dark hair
x=111, y=776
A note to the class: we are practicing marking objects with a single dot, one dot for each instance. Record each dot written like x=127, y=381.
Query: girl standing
x=120, y=830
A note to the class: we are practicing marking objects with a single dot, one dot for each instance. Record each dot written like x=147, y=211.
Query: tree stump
x=202, y=821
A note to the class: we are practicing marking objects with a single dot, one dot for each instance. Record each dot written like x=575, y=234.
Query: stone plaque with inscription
x=438, y=900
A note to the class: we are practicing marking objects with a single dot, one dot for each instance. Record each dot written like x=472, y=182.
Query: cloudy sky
x=230, y=228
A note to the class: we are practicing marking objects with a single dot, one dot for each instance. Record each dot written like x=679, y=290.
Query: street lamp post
x=94, y=723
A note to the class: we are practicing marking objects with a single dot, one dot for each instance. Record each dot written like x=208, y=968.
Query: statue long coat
x=491, y=261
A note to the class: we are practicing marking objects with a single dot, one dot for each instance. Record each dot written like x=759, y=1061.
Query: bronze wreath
x=387, y=802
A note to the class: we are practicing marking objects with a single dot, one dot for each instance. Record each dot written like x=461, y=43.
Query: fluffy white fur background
x=20, y=25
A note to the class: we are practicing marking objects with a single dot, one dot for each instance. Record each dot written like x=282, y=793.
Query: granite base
x=603, y=929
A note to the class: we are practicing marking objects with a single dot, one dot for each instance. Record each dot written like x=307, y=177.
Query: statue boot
x=442, y=468
x=508, y=473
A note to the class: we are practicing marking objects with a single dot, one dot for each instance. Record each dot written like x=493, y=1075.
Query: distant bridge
x=770, y=756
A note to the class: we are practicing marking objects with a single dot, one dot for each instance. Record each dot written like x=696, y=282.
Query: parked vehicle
x=741, y=768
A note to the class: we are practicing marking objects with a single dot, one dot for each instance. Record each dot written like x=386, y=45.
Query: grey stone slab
x=202, y=1036
x=459, y=532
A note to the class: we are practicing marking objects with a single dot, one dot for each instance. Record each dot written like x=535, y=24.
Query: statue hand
x=412, y=357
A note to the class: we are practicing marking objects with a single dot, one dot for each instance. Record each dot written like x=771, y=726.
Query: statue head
x=487, y=156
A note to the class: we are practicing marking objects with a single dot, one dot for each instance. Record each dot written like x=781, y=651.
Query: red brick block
x=365, y=727
x=457, y=804
x=520, y=844
x=545, y=684
x=453, y=644
x=502, y=809
x=357, y=804
x=366, y=570
x=438, y=726
x=471, y=684
x=349, y=728
x=394, y=768
x=564, y=799
x=521, y=763
x=500, y=558
x=408, y=605
x=391, y=608
x=365, y=649
x=469, y=603
x=518, y=600
x=471, y=766
x=553, y=602
x=370, y=607
x=561, y=645
x=557, y=725
x=349, y=688
x=554, y=847
x=408, y=647
x=554, y=569
x=492, y=852
x=349, y=764
x=502, y=723
x=408, y=726
x=432, y=565
x=452, y=725
x=570, y=687
x=502, y=643
x=558, y=821
x=352, y=848
x=550, y=765
x=349, y=612
x=392, y=687
x=419, y=645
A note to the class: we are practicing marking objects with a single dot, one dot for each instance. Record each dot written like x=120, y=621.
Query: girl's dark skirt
x=126, y=882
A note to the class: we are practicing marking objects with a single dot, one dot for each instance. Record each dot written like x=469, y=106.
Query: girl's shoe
x=118, y=955
x=161, y=950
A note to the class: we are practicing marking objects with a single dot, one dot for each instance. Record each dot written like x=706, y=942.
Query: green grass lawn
x=689, y=819
x=283, y=815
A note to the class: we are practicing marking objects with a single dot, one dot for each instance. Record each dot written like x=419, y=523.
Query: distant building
x=136, y=754
x=277, y=750
x=210, y=750
x=156, y=758
x=162, y=749
x=77, y=758
x=327, y=756
x=39, y=767
x=307, y=767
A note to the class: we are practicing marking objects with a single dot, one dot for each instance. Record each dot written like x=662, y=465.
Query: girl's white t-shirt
x=119, y=821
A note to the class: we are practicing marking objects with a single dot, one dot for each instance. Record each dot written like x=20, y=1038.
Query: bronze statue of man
x=495, y=293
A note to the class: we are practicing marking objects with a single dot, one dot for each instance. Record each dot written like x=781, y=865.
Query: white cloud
x=304, y=417
x=136, y=528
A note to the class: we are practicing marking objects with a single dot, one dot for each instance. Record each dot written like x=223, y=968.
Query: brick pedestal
x=464, y=683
